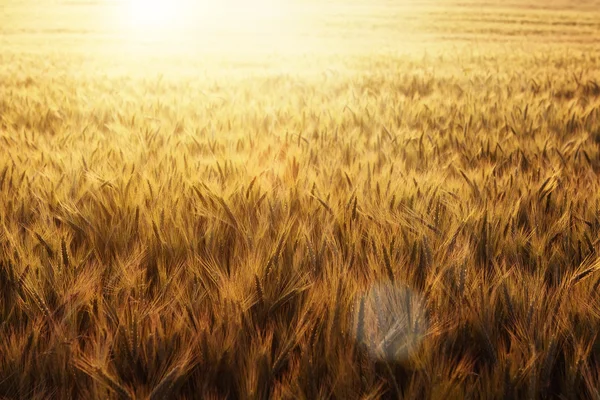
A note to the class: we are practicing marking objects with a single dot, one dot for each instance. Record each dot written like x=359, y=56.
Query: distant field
x=358, y=200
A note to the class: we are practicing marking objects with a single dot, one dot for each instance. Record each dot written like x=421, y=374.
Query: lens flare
x=390, y=322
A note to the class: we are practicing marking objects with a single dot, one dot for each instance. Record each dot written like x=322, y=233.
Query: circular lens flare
x=390, y=322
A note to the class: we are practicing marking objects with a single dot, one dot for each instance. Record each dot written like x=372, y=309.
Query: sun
x=222, y=26
x=151, y=13
x=147, y=15
x=168, y=16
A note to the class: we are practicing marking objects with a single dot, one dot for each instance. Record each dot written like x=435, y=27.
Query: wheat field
x=394, y=200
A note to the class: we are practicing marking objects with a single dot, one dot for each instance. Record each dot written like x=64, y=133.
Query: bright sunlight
x=152, y=14
x=147, y=17
x=162, y=26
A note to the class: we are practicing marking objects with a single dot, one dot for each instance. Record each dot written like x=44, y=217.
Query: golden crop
x=376, y=214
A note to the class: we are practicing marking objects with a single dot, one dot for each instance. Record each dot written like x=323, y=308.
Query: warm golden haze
x=200, y=14
x=194, y=24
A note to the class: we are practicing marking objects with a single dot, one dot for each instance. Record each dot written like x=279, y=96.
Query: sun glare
x=165, y=18
x=152, y=14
